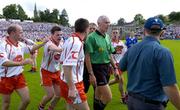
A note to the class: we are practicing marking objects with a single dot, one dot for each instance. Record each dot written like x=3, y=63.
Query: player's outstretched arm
x=12, y=63
x=54, y=48
x=35, y=47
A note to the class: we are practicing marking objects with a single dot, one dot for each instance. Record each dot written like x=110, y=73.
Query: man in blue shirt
x=131, y=40
x=151, y=74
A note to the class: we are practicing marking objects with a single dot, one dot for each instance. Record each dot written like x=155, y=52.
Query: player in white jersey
x=11, y=67
x=120, y=48
x=72, y=58
x=50, y=69
x=33, y=55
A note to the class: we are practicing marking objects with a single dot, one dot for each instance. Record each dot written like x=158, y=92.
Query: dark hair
x=81, y=25
x=11, y=28
x=154, y=32
x=55, y=28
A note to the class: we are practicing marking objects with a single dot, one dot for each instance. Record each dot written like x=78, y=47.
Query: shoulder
x=72, y=41
x=107, y=35
x=161, y=51
x=48, y=43
x=21, y=44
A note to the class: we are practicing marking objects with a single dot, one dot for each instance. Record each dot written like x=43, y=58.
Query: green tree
x=1, y=16
x=45, y=15
x=121, y=22
x=21, y=13
x=64, y=20
x=139, y=20
x=163, y=18
x=54, y=16
x=14, y=11
x=174, y=17
x=10, y=11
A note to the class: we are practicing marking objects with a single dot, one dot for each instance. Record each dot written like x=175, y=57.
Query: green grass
x=37, y=92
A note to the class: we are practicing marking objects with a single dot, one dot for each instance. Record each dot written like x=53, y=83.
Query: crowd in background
x=37, y=31
x=33, y=31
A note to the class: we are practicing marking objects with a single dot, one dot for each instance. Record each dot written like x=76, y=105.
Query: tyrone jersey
x=118, y=57
x=50, y=61
x=73, y=55
x=11, y=52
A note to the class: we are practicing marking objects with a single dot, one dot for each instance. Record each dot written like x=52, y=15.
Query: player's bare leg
x=25, y=99
x=46, y=98
x=56, y=97
x=5, y=102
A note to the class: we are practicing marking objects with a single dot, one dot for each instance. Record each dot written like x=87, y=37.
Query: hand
x=119, y=49
x=45, y=40
x=72, y=93
x=92, y=80
x=27, y=61
x=116, y=74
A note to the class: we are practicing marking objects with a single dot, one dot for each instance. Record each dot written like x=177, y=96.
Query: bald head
x=102, y=19
x=103, y=24
x=13, y=28
x=15, y=32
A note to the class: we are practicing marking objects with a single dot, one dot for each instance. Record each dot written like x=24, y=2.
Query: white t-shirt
x=50, y=61
x=73, y=55
x=10, y=52
x=118, y=57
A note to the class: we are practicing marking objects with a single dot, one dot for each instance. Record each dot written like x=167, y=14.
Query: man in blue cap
x=151, y=74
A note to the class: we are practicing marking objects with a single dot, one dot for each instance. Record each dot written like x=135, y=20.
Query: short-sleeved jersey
x=73, y=55
x=50, y=61
x=30, y=42
x=131, y=41
x=11, y=52
x=118, y=57
x=99, y=47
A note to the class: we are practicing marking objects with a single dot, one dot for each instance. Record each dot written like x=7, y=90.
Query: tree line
x=173, y=17
x=14, y=11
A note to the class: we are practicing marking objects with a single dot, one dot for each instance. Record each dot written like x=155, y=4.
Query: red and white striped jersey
x=50, y=61
x=73, y=55
x=118, y=57
x=11, y=52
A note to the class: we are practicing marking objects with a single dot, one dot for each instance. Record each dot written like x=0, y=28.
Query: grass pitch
x=37, y=92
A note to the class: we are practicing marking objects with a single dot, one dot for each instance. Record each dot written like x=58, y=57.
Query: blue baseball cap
x=154, y=23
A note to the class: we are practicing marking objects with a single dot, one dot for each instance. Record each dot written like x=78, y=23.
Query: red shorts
x=50, y=78
x=112, y=70
x=9, y=84
x=81, y=97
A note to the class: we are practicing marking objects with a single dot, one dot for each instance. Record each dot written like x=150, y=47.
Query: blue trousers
x=136, y=104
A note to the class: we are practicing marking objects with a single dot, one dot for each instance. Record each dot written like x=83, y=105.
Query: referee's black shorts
x=101, y=72
x=86, y=79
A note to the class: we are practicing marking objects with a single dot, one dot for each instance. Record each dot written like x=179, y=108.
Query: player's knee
x=107, y=98
x=50, y=95
x=6, y=103
x=57, y=96
x=26, y=101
